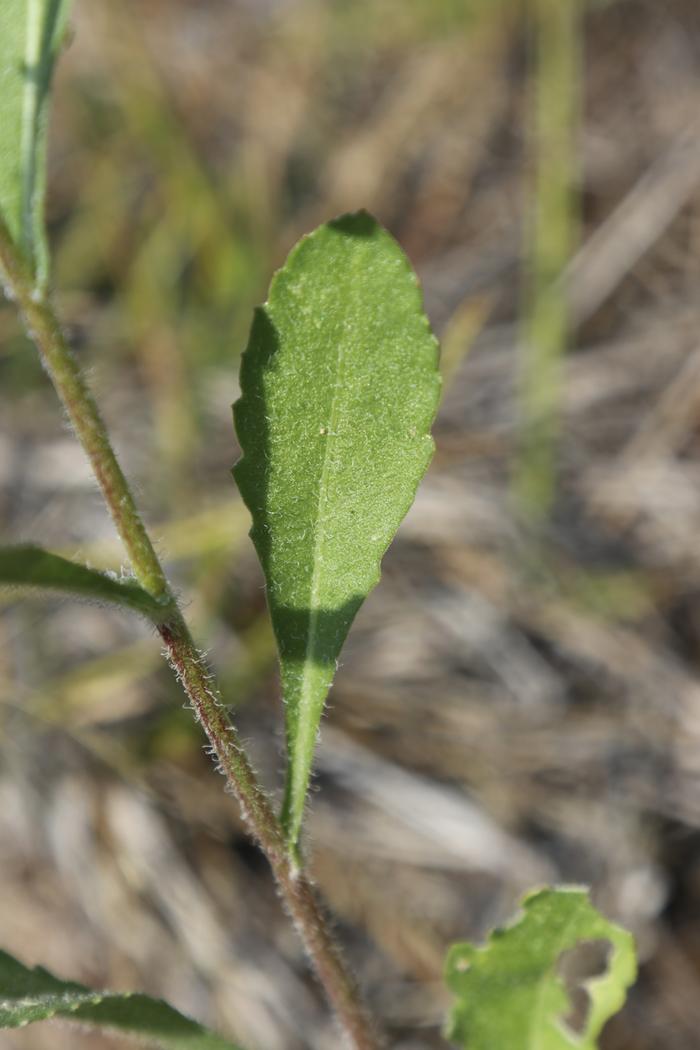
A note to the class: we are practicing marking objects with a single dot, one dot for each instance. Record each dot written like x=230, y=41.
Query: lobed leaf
x=30, y=566
x=339, y=389
x=30, y=35
x=36, y=995
x=509, y=992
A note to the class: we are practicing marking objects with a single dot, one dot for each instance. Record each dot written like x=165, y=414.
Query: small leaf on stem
x=30, y=36
x=28, y=566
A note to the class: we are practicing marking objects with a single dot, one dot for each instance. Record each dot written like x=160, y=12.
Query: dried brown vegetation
x=516, y=703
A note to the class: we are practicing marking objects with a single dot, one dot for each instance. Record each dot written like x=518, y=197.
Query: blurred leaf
x=29, y=566
x=553, y=219
x=459, y=335
x=30, y=35
x=339, y=388
x=36, y=995
x=509, y=992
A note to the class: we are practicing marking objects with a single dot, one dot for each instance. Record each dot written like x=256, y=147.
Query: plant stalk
x=296, y=889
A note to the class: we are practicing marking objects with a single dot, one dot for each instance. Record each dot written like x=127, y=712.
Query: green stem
x=295, y=887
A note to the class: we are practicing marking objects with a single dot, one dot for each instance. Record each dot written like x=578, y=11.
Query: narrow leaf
x=30, y=35
x=33, y=567
x=36, y=995
x=339, y=388
x=510, y=993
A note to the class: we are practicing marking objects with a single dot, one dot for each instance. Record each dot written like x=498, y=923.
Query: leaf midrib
x=537, y=1013
x=53, y=1001
x=30, y=103
x=306, y=693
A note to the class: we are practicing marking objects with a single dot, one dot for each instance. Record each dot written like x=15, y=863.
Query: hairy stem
x=296, y=889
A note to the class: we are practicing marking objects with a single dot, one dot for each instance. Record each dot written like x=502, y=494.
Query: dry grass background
x=520, y=698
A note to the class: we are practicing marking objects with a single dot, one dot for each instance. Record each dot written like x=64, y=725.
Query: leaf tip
x=356, y=223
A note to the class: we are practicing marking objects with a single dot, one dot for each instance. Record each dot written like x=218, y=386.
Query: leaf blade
x=339, y=387
x=509, y=993
x=30, y=995
x=30, y=35
x=30, y=566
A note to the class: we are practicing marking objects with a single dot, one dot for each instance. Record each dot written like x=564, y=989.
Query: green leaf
x=339, y=388
x=30, y=36
x=36, y=995
x=509, y=992
x=29, y=566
